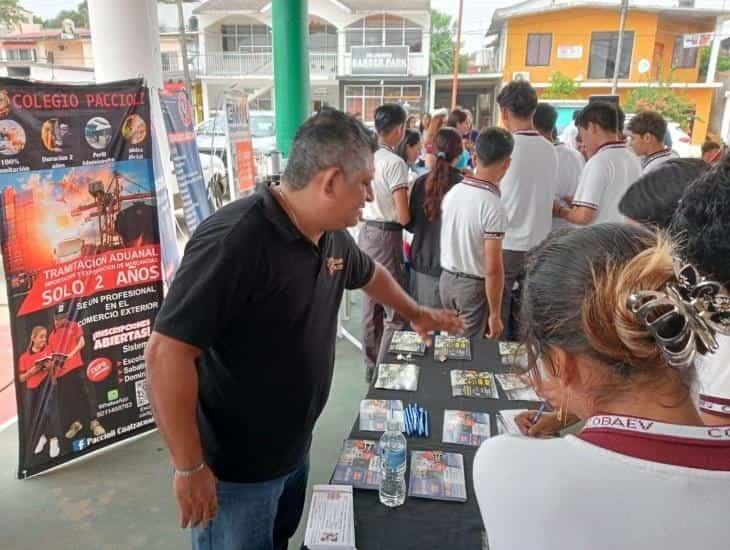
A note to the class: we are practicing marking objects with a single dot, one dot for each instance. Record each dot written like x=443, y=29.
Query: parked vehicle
x=211, y=133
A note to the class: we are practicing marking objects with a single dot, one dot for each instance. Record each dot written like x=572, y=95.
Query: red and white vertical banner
x=81, y=251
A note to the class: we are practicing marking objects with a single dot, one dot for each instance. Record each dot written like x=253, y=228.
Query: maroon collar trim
x=701, y=447
x=611, y=145
x=659, y=154
x=526, y=133
x=473, y=181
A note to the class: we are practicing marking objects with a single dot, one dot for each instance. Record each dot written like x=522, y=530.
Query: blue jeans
x=255, y=516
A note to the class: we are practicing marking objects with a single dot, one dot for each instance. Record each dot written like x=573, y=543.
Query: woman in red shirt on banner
x=40, y=398
x=77, y=395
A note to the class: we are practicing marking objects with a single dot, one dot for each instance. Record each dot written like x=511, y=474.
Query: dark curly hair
x=701, y=223
x=519, y=97
x=652, y=199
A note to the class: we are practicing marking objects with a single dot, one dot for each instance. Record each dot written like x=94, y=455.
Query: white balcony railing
x=323, y=64
x=261, y=64
x=238, y=64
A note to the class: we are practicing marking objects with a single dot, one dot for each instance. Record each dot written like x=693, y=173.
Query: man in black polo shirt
x=254, y=308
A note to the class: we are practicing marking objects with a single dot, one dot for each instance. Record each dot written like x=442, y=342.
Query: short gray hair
x=329, y=139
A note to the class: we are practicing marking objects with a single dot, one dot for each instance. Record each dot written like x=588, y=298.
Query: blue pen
x=539, y=412
x=426, y=415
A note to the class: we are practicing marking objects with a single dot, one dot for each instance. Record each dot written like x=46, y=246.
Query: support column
x=125, y=40
x=725, y=130
x=291, y=69
x=715, y=51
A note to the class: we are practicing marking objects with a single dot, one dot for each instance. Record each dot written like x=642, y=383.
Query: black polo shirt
x=261, y=301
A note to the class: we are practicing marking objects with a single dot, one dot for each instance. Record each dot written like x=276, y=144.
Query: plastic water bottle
x=393, y=466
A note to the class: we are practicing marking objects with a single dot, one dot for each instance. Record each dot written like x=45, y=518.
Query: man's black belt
x=464, y=275
x=384, y=226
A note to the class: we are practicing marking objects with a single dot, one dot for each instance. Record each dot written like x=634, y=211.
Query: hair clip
x=441, y=155
x=685, y=316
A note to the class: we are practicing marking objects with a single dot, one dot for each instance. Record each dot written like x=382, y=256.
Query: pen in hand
x=538, y=414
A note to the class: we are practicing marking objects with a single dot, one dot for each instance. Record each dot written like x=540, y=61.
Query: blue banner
x=178, y=114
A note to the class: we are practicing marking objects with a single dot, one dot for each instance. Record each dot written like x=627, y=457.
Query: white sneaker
x=97, y=429
x=41, y=444
x=53, y=450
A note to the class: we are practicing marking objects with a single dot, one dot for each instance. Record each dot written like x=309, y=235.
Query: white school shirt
x=528, y=190
x=604, y=181
x=651, y=162
x=570, y=167
x=471, y=212
x=569, y=136
x=713, y=372
x=391, y=174
x=623, y=483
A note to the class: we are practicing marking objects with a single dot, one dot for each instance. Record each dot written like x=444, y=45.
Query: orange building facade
x=581, y=43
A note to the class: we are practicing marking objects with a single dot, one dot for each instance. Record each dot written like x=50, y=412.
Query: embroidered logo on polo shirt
x=334, y=265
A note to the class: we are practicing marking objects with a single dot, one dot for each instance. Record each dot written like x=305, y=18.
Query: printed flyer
x=81, y=251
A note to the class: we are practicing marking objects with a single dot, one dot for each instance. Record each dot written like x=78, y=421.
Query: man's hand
x=196, y=498
x=494, y=327
x=430, y=320
x=546, y=426
x=556, y=208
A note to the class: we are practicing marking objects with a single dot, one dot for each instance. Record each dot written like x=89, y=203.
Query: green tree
x=80, y=17
x=663, y=99
x=443, y=43
x=561, y=87
x=10, y=13
x=723, y=62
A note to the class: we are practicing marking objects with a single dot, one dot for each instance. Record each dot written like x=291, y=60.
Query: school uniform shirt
x=651, y=162
x=713, y=372
x=27, y=361
x=604, y=181
x=470, y=213
x=623, y=482
x=570, y=167
x=63, y=340
x=528, y=191
x=391, y=174
x=569, y=136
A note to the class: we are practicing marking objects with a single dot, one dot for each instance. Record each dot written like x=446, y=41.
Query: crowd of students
x=608, y=256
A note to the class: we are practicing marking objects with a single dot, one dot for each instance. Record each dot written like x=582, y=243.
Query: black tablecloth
x=421, y=523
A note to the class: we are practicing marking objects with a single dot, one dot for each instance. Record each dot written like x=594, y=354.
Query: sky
x=476, y=19
x=477, y=14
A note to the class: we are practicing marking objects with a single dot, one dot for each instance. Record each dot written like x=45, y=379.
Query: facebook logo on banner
x=79, y=444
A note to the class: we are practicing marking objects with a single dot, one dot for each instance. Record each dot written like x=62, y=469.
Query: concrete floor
x=121, y=498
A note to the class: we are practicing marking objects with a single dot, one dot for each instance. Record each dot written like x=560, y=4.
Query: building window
x=683, y=58
x=246, y=38
x=603, y=55
x=384, y=30
x=322, y=37
x=365, y=99
x=20, y=55
x=169, y=62
x=539, y=47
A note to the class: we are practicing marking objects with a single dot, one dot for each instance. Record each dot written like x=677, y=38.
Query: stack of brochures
x=513, y=354
x=408, y=342
x=466, y=427
x=437, y=475
x=393, y=376
x=375, y=413
x=516, y=387
x=471, y=383
x=359, y=464
x=331, y=523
